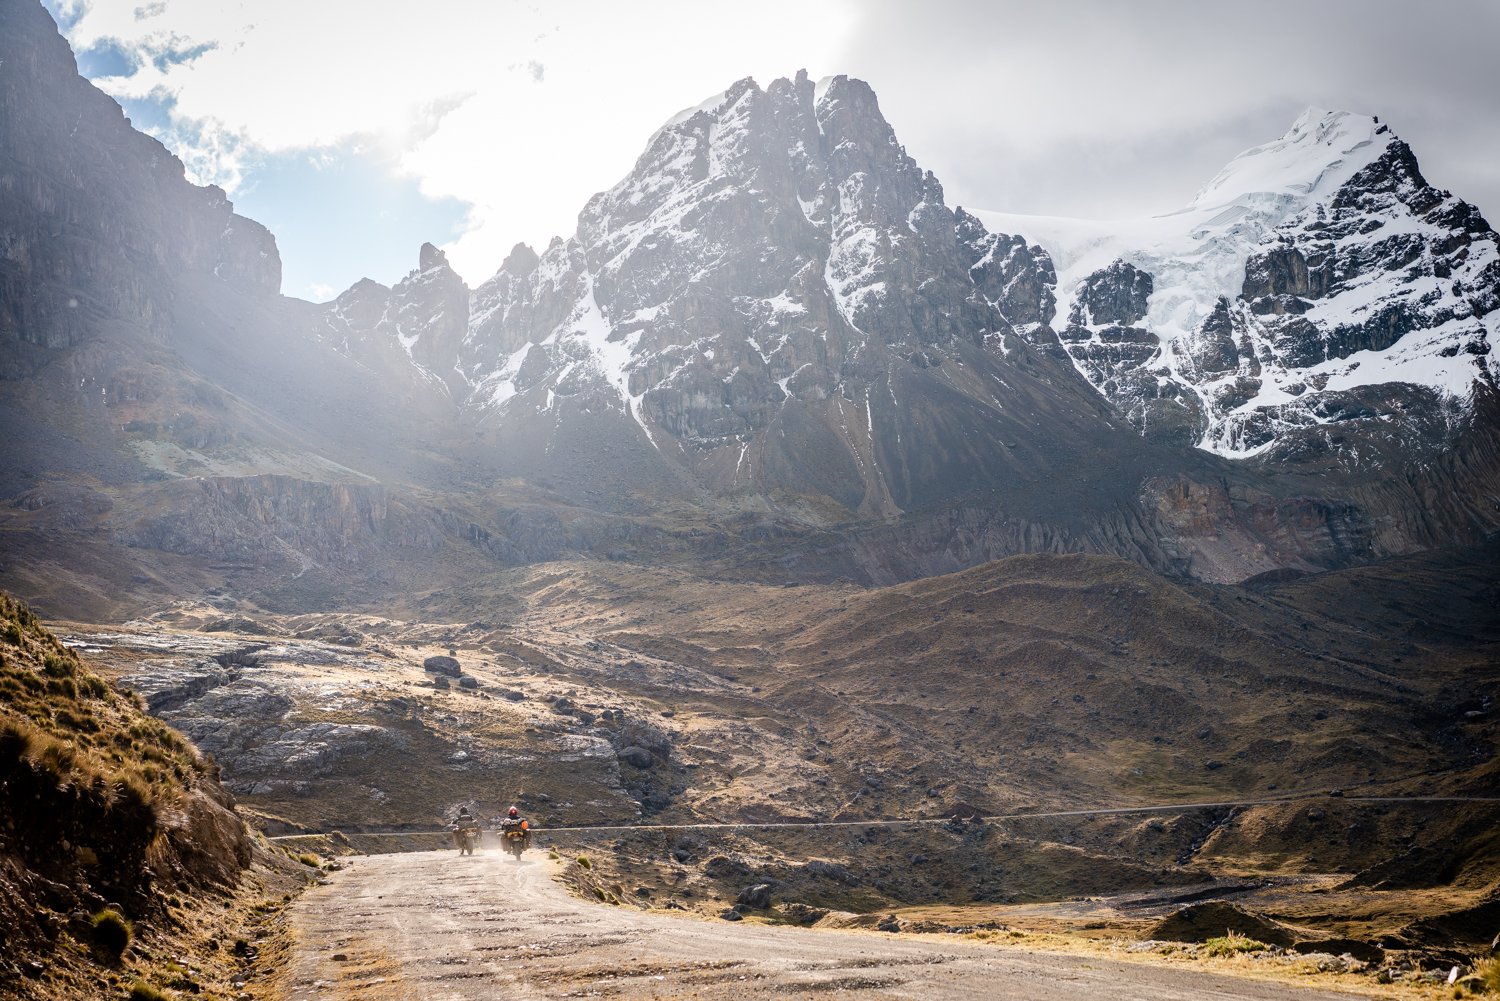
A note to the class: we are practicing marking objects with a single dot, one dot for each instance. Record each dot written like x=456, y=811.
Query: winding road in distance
x=433, y=926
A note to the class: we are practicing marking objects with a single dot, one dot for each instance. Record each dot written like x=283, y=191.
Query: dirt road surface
x=434, y=926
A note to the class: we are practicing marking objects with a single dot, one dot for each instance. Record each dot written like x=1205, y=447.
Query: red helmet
x=514, y=812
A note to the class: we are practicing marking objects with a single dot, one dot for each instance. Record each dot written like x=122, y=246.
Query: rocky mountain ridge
x=1318, y=288
x=1302, y=254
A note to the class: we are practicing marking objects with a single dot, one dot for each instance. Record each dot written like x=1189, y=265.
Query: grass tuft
x=1232, y=943
x=1487, y=972
x=112, y=932
x=56, y=666
x=583, y=860
x=142, y=991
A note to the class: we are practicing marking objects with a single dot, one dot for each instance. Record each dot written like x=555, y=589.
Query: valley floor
x=435, y=925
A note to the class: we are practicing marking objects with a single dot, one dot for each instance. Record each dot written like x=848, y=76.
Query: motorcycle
x=516, y=839
x=466, y=839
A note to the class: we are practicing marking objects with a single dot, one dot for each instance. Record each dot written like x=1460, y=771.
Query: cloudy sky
x=357, y=129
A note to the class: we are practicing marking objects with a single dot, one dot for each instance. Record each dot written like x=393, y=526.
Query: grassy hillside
x=120, y=854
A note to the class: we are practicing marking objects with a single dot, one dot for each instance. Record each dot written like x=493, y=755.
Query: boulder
x=468, y=681
x=757, y=896
x=637, y=757
x=442, y=665
x=687, y=848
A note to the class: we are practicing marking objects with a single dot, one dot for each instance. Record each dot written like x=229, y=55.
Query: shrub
x=142, y=991
x=1488, y=972
x=77, y=721
x=583, y=860
x=308, y=858
x=17, y=740
x=112, y=933
x=13, y=633
x=58, y=667
x=58, y=758
x=1232, y=943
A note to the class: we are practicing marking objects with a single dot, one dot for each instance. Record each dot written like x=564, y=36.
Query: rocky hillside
x=592, y=692
x=115, y=831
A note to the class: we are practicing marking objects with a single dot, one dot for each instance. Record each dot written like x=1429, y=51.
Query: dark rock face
x=97, y=221
x=1107, y=341
x=1113, y=296
x=1341, y=246
x=1017, y=280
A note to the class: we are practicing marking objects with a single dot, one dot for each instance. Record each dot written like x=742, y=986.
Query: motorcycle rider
x=464, y=825
x=515, y=822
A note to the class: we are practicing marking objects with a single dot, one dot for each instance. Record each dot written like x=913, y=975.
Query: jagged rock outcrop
x=1016, y=279
x=1113, y=296
x=422, y=320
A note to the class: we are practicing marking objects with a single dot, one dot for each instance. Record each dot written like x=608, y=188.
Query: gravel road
x=433, y=926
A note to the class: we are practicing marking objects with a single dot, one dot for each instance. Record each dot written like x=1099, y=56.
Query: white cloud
x=522, y=111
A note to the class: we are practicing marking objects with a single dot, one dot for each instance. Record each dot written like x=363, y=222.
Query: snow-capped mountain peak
x=1317, y=155
x=778, y=244
x=1310, y=271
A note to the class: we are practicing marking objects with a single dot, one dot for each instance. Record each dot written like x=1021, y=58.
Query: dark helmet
x=514, y=812
x=463, y=811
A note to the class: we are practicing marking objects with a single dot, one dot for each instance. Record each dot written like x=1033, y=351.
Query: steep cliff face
x=97, y=219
